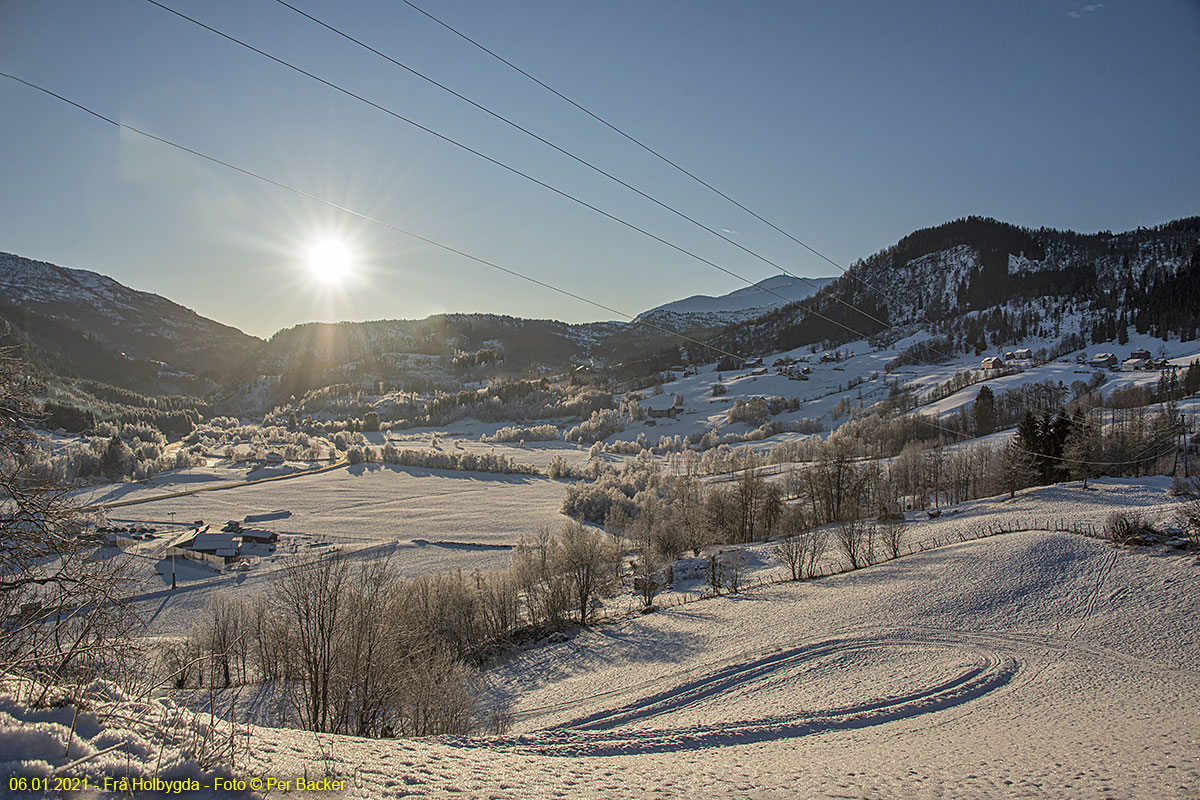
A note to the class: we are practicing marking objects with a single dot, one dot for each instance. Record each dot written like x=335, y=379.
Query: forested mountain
x=983, y=284
x=434, y=352
x=975, y=283
x=79, y=324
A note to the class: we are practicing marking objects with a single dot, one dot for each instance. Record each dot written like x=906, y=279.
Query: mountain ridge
x=973, y=283
x=83, y=324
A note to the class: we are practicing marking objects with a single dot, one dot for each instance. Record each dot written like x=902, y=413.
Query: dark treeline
x=81, y=406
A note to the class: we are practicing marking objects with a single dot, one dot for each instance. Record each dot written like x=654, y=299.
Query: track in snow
x=653, y=724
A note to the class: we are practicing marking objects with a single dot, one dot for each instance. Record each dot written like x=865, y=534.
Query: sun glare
x=330, y=262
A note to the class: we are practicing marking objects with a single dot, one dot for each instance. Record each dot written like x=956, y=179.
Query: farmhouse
x=1141, y=353
x=665, y=405
x=1103, y=360
x=222, y=544
x=991, y=362
x=1023, y=354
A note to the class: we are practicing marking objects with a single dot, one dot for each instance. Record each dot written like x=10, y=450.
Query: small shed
x=259, y=536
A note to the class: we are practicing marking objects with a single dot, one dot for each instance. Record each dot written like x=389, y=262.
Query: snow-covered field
x=425, y=520
x=1025, y=665
x=1031, y=664
x=379, y=502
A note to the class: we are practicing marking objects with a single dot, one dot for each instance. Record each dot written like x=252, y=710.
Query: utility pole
x=171, y=514
x=1183, y=432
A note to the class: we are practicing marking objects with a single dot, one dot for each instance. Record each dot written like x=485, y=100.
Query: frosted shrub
x=752, y=412
x=593, y=501
x=623, y=448
x=536, y=433
x=1128, y=527
x=559, y=468
x=600, y=425
x=471, y=462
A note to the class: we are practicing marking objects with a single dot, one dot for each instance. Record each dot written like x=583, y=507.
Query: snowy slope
x=702, y=310
x=1028, y=665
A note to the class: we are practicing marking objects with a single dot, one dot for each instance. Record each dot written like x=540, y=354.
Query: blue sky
x=848, y=124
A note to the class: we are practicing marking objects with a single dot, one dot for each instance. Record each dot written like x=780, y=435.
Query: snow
x=1031, y=664
x=110, y=736
x=425, y=520
x=1025, y=665
x=761, y=297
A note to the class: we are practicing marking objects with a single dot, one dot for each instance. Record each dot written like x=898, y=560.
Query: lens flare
x=330, y=262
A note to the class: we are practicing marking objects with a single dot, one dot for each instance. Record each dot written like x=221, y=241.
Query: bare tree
x=1084, y=447
x=499, y=602
x=311, y=596
x=893, y=536
x=222, y=636
x=537, y=569
x=587, y=559
x=63, y=599
x=716, y=572
x=1189, y=512
x=817, y=542
x=833, y=482
x=748, y=497
x=851, y=536
x=649, y=560
x=1017, y=468
x=361, y=668
x=789, y=550
x=733, y=566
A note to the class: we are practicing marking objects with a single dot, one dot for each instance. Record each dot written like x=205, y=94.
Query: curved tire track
x=606, y=732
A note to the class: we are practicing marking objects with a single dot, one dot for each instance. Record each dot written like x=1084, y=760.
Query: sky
x=846, y=124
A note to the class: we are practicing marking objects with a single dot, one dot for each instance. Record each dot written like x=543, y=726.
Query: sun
x=330, y=262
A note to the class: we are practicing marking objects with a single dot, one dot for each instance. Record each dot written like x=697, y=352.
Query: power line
x=630, y=137
x=367, y=217
x=572, y=156
x=497, y=162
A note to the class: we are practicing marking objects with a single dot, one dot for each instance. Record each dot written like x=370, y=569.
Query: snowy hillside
x=1034, y=664
x=82, y=324
x=702, y=311
x=980, y=284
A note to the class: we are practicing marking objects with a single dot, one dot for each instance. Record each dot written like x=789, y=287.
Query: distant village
x=1138, y=360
